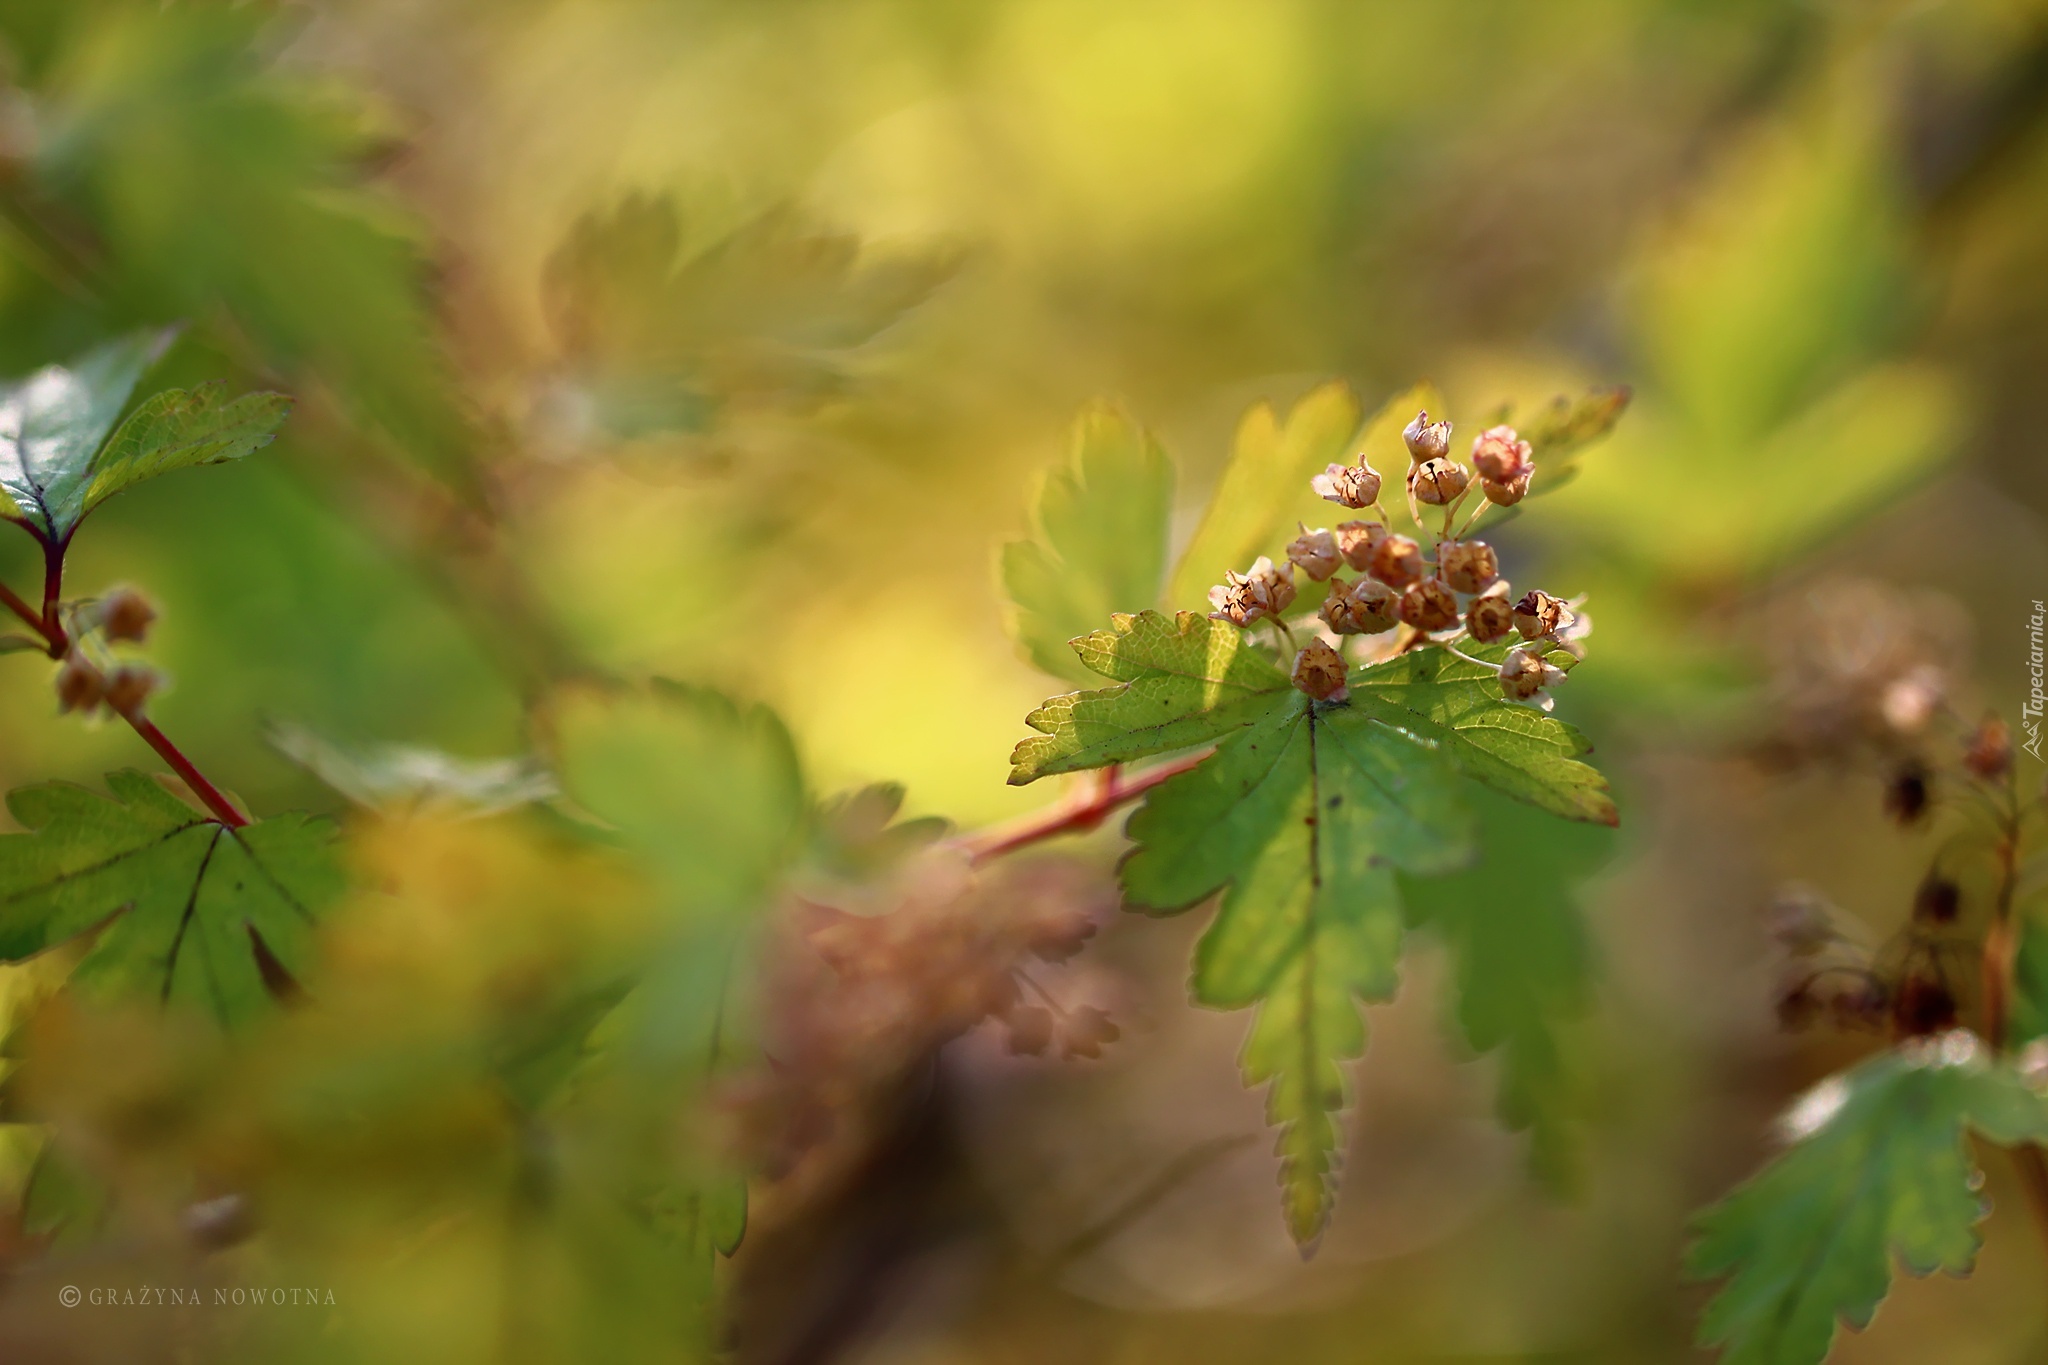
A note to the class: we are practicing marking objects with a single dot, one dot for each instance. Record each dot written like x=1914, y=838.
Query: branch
x=1999, y=951
x=221, y=807
x=1085, y=812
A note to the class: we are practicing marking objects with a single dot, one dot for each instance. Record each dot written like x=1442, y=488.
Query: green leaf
x=52, y=424
x=178, y=429
x=1879, y=1171
x=1515, y=749
x=1098, y=543
x=194, y=912
x=2029, y=1019
x=1180, y=683
x=1304, y=815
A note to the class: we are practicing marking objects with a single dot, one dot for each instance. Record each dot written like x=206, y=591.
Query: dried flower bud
x=1244, y=598
x=1348, y=485
x=1356, y=540
x=1907, y=794
x=1086, y=1030
x=1506, y=494
x=1319, y=671
x=1362, y=608
x=1429, y=605
x=1538, y=614
x=1397, y=561
x=1500, y=455
x=1030, y=1029
x=1437, y=482
x=1489, y=618
x=1938, y=900
x=1925, y=1006
x=1427, y=440
x=1467, y=565
x=126, y=614
x=1524, y=674
x=129, y=688
x=1989, y=755
x=1315, y=553
x=80, y=685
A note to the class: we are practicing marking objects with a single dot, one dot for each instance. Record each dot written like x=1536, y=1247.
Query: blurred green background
x=726, y=341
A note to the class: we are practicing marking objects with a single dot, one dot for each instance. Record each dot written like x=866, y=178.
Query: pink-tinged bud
x=125, y=615
x=1397, y=562
x=1362, y=608
x=1509, y=493
x=1427, y=440
x=129, y=688
x=1467, y=565
x=1348, y=485
x=1538, y=614
x=1524, y=674
x=1429, y=605
x=80, y=685
x=1244, y=598
x=1356, y=540
x=1500, y=455
x=1315, y=553
x=1437, y=482
x=1319, y=671
x=1489, y=618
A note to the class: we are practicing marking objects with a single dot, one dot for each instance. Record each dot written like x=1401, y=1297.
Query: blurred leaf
x=52, y=424
x=1098, y=546
x=1180, y=683
x=186, y=908
x=179, y=429
x=856, y=834
x=2029, y=1019
x=1559, y=434
x=400, y=777
x=1879, y=1170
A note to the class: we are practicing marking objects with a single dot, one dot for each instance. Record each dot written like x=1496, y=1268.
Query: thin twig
x=1999, y=951
x=1079, y=816
x=17, y=604
x=221, y=807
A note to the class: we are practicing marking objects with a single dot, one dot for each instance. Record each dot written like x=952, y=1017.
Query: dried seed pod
x=1437, y=482
x=1925, y=1005
x=1348, y=485
x=1086, y=1030
x=1362, y=608
x=125, y=615
x=1524, y=674
x=1397, y=561
x=1429, y=605
x=1319, y=671
x=1506, y=494
x=1426, y=440
x=1907, y=794
x=1489, y=618
x=1938, y=900
x=1244, y=598
x=1315, y=553
x=1989, y=754
x=80, y=684
x=1356, y=540
x=1538, y=614
x=1500, y=455
x=129, y=687
x=1467, y=565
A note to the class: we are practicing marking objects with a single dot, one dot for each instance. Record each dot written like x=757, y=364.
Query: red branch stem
x=222, y=809
x=1082, y=813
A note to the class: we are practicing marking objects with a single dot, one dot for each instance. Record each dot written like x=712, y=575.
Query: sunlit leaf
x=52, y=424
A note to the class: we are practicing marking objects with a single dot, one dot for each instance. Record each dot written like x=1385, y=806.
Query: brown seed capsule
x=1989, y=755
x=1467, y=565
x=1348, y=485
x=1429, y=605
x=80, y=685
x=1397, y=562
x=1427, y=440
x=1538, y=614
x=1506, y=494
x=126, y=614
x=1362, y=608
x=1437, y=482
x=1356, y=540
x=1319, y=671
x=1938, y=900
x=1244, y=598
x=1925, y=1005
x=1086, y=1030
x=1489, y=618
x=1315, y=553
x=1907, y=794
x=1524, y=674
x=129, y=688
x=1500, y=455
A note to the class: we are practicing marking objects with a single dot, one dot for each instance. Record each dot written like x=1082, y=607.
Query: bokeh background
x=726, y=342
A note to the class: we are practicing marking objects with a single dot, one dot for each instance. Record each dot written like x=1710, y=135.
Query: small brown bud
x=1319, y=671
x=1356, y=540
x=1938, y=900
x=1348, y=485
x=1244, y=598
x=1489, y=618
x=1925, y=1005
x=1538, y=614
x=1989, y=755
x=1086, y=1030
x=1315, y=553
x=1500, y=455
x=1397, y=561
x=129, y=688
x=1907, y=794
x=1524, y=674
x=1427, y=440
x=1429, y=605
x=1506, y=494
x=80, y=685
x=1031, y=1028
x=1467, y=565
x=1362, y=608
x=125, y=615
x=1437, y=482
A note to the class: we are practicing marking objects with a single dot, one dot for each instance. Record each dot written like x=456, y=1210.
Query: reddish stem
x=53, y=590
x=196, y=780
x=1084, y=813
x=14, y=602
